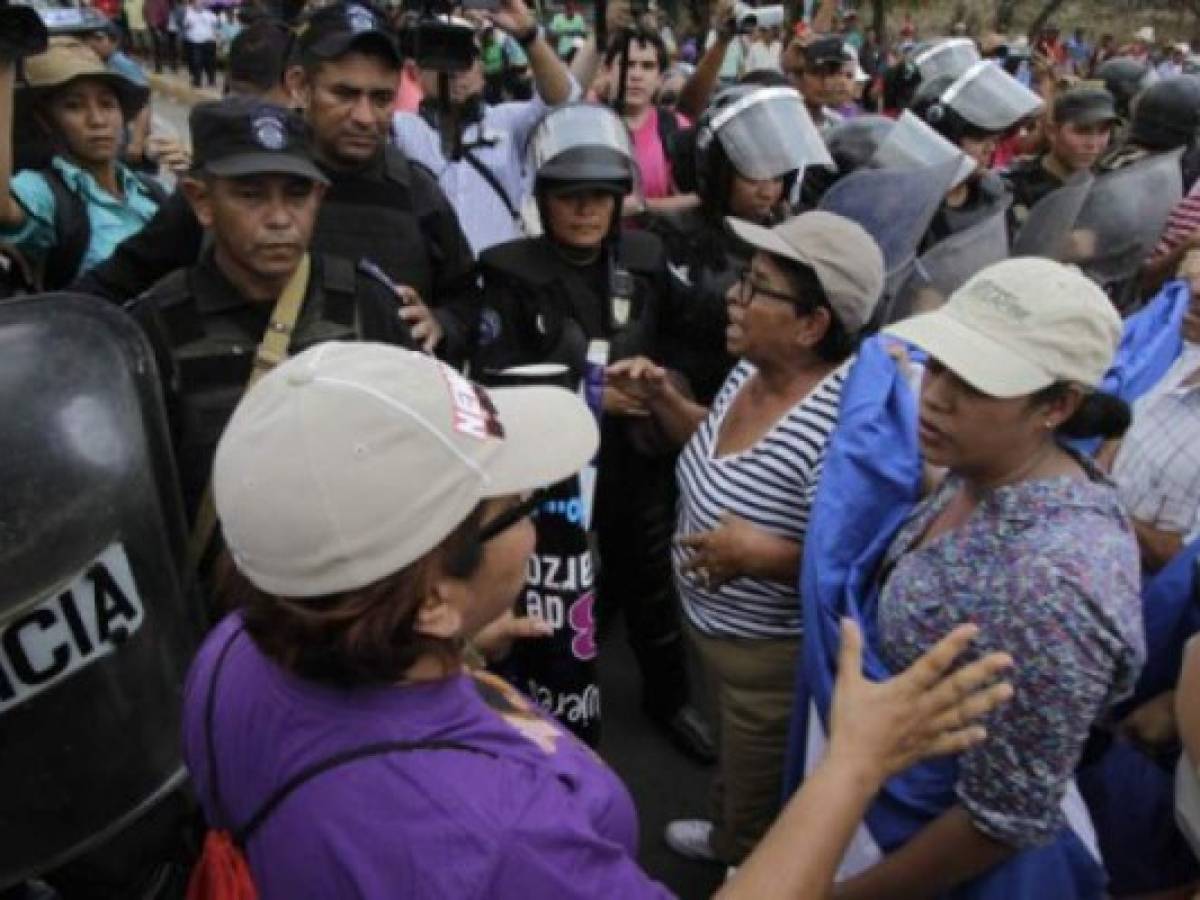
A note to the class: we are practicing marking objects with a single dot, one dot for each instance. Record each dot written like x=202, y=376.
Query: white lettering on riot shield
x=46, y=642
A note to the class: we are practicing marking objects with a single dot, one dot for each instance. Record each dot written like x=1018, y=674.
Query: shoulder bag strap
x=493, y=182
x=271, y=352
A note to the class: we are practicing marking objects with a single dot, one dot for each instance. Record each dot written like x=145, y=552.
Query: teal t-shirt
x=566, y=29
x=111, y=220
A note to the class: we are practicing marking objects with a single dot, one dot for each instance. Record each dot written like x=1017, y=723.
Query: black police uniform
x=984, y=197
x=704, y=263
x=1029, y=181
x=205, y=333
x=539, y=307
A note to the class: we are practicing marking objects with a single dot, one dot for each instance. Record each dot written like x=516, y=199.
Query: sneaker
x=691, y=838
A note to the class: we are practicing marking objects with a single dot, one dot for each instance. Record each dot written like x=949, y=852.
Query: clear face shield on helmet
x=989, y=98
x=575, y=127
x=768, y=134
x=951, y=56
x=911, y=144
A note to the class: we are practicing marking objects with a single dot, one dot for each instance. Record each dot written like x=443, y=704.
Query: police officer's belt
x=271, y=351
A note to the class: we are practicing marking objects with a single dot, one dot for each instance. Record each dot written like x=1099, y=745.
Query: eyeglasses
x=511, y=516
x=748, y=289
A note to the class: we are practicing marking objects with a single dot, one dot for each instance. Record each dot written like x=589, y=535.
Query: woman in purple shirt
x=375, y=505
x=1024, y=538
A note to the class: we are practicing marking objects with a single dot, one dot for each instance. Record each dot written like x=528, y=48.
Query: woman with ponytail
x=1027, y=539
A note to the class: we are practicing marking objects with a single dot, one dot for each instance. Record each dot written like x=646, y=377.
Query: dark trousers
x=164, y=49
x=202, y=60
x=635, y=524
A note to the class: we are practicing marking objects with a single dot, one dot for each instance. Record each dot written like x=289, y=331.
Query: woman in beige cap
x=746, y=477
x=1027, y=539
x=375, y=505
x=71, y=100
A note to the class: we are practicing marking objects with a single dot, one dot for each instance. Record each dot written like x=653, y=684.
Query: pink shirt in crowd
x=652, y=158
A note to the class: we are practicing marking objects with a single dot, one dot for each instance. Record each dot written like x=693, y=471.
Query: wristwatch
x=527, y=38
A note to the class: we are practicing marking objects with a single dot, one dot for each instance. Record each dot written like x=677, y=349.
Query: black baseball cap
x=334, y=30
x=246, y=136
x=1086, y=105
x=825, y=51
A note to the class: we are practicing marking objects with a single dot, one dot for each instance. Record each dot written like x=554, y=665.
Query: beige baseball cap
x=350, y=461
x=847, y=260
x=1019, y=326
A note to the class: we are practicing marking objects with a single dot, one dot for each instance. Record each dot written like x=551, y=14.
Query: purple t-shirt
x=534, y=814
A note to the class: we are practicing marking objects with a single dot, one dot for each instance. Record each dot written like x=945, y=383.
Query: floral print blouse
x=1048, y=570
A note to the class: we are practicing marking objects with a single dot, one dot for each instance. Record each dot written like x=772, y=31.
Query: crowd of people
x=859, y=371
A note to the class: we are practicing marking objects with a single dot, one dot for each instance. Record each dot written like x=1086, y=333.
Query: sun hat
x=350, y=461
x=847, y=261
x=1019, y=326
x=67, y=59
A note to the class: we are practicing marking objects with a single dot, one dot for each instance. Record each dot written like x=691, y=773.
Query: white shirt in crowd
x=498, y=144
x=763, y=55
x=199, y=25
x=1157, y=469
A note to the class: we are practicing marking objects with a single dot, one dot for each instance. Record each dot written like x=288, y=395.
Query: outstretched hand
x=922, y=712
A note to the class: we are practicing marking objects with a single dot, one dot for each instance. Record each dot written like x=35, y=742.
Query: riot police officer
x=750, y=145
x=1165, y=118
x=585, y=285
x=1078, y=134
x=972, y=111
x=256, y=188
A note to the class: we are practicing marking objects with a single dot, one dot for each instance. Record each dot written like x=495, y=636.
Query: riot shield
x=95, y=633
x=912, y=144
x=1052, y=218
x=1123, y=217
x=894, y=206
x=946, y=266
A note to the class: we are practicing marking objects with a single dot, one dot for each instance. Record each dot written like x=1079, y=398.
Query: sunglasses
x=527, y=508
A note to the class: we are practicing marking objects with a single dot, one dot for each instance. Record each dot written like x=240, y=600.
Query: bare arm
x=878, y=729
x=652, y=386
x=945, y=853
x=11, y=213
x=695, y=94
x=550, y=76
x=1157, y=547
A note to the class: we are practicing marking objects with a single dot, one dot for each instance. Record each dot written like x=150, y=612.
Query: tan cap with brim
x=68, y=59
x=845, y=258
x=351, y=461
x=1019, y=326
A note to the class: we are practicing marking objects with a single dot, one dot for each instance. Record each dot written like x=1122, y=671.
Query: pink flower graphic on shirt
x=583, y=622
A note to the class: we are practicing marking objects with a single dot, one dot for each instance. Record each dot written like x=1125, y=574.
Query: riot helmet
x=758, y=133
x=1125, y=78
x=1167, y=114
x=911, y=144
x=984, y=100
x=945, y=56
x=584, y=146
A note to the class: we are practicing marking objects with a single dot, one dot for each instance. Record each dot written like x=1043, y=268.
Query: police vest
x=210, y=356
x=540, y=308
x=377, y=217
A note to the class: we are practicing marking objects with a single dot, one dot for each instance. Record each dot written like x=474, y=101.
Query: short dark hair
x=358, y=637
x=837, y=344
x=639, y=35
x=258, y=55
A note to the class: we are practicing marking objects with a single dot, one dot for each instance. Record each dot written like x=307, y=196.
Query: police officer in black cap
x=1078, y=134
x=378, y=206
x=256, y=189
x=819, y=70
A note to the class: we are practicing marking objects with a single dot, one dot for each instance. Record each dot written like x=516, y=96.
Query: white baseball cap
x=350, y=461
x=1019, y=326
